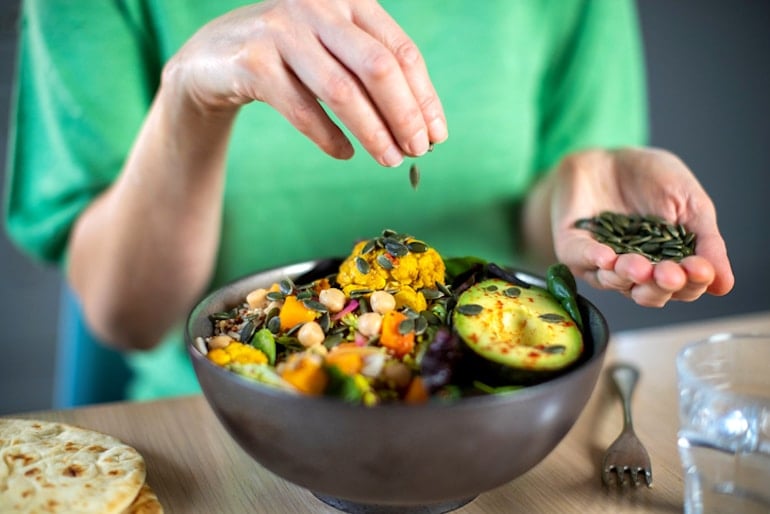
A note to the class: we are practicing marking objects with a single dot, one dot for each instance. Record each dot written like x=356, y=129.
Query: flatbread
x=50, y=467
x=146, y=502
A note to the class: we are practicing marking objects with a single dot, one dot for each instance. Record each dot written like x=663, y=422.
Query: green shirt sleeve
x=74, y=114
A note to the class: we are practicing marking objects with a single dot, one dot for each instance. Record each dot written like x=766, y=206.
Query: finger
x=650, y=294
x=333, y=84
x=669, y=276
x=667, y=279
x=583, y=254
x=378, y=23
x=700, y=274
x=712, y=248
x=378, y=69
x=634, y=268
x=607, y=279
x=300, y=107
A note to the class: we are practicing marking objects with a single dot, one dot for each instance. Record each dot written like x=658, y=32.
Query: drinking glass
x=724, y=436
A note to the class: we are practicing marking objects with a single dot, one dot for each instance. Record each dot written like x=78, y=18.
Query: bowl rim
x=598, y=352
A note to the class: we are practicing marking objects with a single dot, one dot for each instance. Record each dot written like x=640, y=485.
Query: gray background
x=709, y=84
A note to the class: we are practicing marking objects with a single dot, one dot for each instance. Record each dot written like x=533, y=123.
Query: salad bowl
x=395, y=457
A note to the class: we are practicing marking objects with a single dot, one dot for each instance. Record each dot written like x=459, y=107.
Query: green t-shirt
x=522, y=83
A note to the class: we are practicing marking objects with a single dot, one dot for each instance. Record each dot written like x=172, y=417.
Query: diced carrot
x=392, y=338
x=294, y=312
x=416, y=392
x=349, y=362
x=307, y=376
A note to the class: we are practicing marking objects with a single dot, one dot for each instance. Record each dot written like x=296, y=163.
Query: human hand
x=349, y=55
x=643, y=181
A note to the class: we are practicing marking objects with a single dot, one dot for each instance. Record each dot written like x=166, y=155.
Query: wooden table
x=195, y=467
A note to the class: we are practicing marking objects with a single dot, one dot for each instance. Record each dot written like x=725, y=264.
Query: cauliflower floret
x=405, y=275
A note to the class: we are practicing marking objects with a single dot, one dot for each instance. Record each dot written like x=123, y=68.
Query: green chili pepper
x=265, y=341
x=561, y=284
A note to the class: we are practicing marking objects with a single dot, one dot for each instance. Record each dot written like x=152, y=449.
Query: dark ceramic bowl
x=392, y=458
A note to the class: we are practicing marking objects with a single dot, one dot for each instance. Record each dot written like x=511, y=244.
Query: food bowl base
x=366, y=508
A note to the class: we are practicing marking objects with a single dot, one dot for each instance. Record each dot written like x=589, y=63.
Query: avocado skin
x=508, y=342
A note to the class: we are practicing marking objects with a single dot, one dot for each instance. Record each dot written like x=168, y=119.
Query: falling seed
x=414, y=175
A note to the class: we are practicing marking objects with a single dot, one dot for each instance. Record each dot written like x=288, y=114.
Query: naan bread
x=51, y=467
x=146, y=502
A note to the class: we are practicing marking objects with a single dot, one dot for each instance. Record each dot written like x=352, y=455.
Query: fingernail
x=438, y=131
x=419, y=143
x=392, y=157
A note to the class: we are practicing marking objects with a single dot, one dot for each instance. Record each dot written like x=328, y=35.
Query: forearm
x=145, y=249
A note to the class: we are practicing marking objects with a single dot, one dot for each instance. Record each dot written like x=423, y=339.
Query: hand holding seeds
x=638, y=222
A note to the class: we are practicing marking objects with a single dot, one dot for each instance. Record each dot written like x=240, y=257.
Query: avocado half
x=520, y=335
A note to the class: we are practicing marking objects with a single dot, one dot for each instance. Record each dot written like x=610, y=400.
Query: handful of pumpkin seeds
x=648, y=235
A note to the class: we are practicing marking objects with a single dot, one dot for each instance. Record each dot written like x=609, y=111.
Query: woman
x=163, y=148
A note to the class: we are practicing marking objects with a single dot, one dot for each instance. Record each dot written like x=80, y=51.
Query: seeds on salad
x=362, y=266
x=470, y=309
x=286, y=286
x=384, y=262
x=650, y=236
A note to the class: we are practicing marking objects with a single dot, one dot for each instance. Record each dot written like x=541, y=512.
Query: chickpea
x=382, y=301
x=219, y=341
x=310, y=334
x=257, y=299
x=332, y=298
x=370, y=324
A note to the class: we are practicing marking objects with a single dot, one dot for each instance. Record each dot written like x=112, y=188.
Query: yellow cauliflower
x=406, y=274
x=237, y=352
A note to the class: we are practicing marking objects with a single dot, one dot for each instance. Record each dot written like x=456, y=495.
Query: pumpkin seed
x=396, y=248
x=650, y=236
x=305, y=294
x=274, y=324
x=384, y=262
x=325, y=321
x=420, y=325
x=356, y=293
x=554, y=348
x=551, y=317
x=275, y=296
x=362, y=266
x=444, y=289
x=286, y=286
x=406, y=326
x=315, y=306
x=470, y=309
x=512, y=292
x=221, y=316
x=431, y=293
x=414, y=176
x=417, y=247
x=333, y=340
x=247, y=331
x=368, y=247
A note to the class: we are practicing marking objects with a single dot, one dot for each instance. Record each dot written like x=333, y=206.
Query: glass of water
x=724, y=436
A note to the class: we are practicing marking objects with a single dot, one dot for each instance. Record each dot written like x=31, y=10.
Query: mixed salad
x=396, y=322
